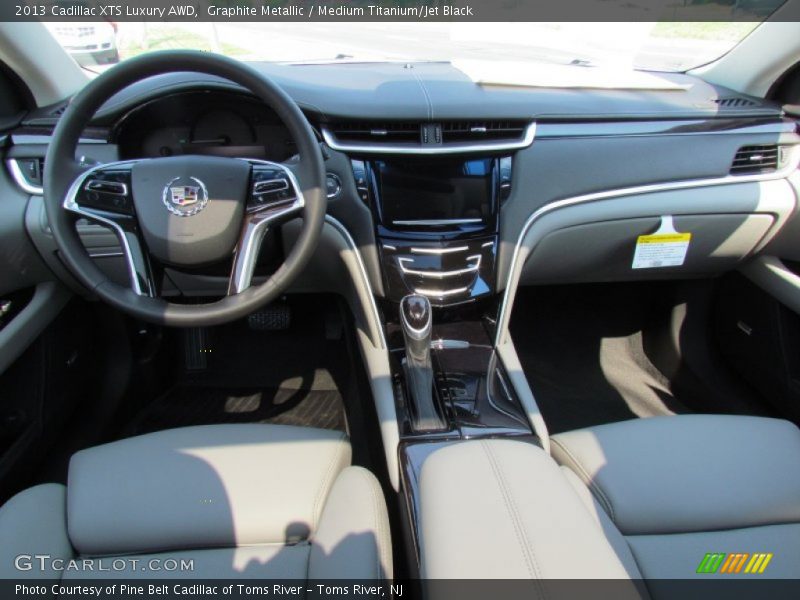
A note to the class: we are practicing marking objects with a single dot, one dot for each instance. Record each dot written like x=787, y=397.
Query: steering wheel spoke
x=274, y=198
x=103, y=195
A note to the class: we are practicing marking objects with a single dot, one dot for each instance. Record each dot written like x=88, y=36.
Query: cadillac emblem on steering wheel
x=185, y=196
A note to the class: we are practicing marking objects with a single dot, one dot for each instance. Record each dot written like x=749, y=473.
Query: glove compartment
x=604, y=251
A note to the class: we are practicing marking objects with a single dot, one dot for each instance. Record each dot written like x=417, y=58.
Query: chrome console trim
x=449, y=250
x=436, y=222
x=515, y=268
x=20, y=180
x=441, y=293
x=474, y=268
x=376, y=315
x=460, y=148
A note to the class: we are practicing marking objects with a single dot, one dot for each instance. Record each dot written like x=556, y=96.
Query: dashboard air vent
x=377, y=131
x=755, y=159
x=428, y=137
x=735, y=102
x=475, y=131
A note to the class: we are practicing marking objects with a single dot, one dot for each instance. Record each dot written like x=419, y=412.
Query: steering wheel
x=184, y=211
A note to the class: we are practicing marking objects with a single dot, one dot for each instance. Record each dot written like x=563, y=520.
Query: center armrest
x=503, y=509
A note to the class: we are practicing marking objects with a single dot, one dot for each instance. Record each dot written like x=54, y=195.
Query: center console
x=436, y=223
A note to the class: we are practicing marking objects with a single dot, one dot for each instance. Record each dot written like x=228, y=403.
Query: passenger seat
x=677, y=488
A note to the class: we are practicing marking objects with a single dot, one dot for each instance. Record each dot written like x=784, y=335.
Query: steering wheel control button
x=271, y=188
x=185, y=196
x=273, y=185
x=108, y=191
x=107, y=187
x=333, y=185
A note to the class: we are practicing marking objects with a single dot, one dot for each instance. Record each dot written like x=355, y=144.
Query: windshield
x=655, y=46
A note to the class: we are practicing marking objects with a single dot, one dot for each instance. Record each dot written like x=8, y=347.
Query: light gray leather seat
x=642, y=499
x=668, y=490
x=255, y=501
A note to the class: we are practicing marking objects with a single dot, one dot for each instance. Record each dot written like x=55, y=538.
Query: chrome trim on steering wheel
x=256, y=225
x=71, y=205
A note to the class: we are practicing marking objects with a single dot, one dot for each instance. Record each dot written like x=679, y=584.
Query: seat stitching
x=519, y=531
x=504, y=493
x=587, y=479
x=385, y=532
x=366, y=479
x=326, y=479
x=375, y=520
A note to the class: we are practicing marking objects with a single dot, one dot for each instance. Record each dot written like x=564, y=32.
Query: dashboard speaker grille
x=755, y=159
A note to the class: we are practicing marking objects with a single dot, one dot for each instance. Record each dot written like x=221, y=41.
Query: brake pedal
x=275, y=317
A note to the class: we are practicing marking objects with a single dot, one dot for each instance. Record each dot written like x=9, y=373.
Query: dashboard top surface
x=431, y=91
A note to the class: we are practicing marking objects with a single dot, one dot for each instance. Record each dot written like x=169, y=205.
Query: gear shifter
x=416, y=318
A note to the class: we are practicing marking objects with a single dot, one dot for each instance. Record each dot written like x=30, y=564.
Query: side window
x=786, y=90
x=15, y=99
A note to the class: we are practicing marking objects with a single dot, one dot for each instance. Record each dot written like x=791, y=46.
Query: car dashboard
x=439, y=179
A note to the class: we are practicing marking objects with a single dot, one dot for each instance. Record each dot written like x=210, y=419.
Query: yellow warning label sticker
x=664, y=238
x=664, y=248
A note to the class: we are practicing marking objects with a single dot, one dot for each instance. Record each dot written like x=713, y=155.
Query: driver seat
x=216, y=501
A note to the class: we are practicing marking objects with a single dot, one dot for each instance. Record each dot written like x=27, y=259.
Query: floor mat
x=581, y=351
x=188, y=405
x=295, y=376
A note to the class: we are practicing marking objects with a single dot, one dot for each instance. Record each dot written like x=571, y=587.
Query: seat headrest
x=202, y=487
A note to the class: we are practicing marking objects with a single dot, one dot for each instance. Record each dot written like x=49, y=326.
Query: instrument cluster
x=208, y=123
